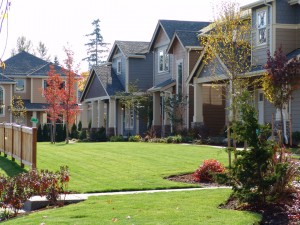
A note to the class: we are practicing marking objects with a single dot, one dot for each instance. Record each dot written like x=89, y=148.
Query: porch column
x=101, y=113
x=156, y=109
x=84, y=115
x=34, y=115
x=94, y=114
x=112, y=117
x=198, y=105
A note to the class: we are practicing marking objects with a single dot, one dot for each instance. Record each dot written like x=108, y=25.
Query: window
x=262, y=26
x=20, y=85
x=179, y=77
x=1, y=101
x=119, y=66
x=129, y=119
x=45, y=85
x=163, y=61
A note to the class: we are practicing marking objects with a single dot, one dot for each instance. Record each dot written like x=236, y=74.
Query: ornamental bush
x=206, y=171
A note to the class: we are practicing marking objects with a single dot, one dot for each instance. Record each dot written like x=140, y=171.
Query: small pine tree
x=46, y=134
x=79, y=126
x=59, y=133
x=74, y=132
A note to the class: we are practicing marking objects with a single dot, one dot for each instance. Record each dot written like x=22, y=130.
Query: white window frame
x=261, y=27
x=2, y=109
x=178, y=83
x=24, y=85
x=163, y=61
x=119, y=66
x=129, y=118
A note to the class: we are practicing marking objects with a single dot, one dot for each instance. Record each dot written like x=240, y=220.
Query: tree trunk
x=67, y=133
x=282, y=125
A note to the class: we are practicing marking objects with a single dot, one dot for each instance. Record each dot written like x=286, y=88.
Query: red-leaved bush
x=209, y=167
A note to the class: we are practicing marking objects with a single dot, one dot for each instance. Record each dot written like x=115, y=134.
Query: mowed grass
x=189, y=207
x=100, y=167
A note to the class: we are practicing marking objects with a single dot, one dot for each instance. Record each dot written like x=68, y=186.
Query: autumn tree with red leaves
x=53, y=93
x=281, y=79
x=69, y=100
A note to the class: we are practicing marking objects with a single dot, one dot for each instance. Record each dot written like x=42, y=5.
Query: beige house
x=25, y=75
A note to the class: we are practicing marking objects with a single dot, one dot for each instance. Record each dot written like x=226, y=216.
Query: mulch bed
x=285, y=212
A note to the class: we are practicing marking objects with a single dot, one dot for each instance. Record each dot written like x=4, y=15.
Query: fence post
x=12, y=142
x=21, y=155
x=34, y=141
x=5, y=140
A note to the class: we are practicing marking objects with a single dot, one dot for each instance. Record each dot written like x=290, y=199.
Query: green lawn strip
x=101, y=167
x=188, y=207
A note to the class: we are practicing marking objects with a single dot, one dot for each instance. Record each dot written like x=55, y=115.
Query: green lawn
x=190, y=207
x=98, y=167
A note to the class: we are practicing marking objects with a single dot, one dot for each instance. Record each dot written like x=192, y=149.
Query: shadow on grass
x=9, y=167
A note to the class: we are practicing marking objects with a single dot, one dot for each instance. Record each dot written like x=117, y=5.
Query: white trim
x=265, y=27
x=119, y=69
x=4, y=106
x=165, y=61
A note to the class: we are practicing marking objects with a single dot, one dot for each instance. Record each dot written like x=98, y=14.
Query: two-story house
x=128, y=63
x=25, y=75
x=168, y=73
x=275, y=23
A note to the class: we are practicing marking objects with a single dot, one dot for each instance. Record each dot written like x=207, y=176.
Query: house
x=275, y=23
x=25, y=75
x=172, y=38
x=128, y=63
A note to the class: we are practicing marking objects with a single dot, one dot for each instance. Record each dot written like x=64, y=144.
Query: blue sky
x=59, y=23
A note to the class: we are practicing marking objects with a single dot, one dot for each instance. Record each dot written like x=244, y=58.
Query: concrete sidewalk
x=37, y=202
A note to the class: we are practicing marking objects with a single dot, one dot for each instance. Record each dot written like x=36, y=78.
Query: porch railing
x=19, y=142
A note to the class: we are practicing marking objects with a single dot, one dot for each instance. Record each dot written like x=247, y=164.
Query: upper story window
x=20, y=85
x=119, y=66
x=1, y=101
x=262, y=26
x=179, y=77
x=45, y=84
x=163, y=61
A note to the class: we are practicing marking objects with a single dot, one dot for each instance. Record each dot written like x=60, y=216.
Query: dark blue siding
x=141, y=71
x=285, y=13
x=96, y=89
x=123, y=69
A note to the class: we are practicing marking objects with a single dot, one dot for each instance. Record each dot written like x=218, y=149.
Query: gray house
x=275, y=23
x=128, y=62
x=164, y=71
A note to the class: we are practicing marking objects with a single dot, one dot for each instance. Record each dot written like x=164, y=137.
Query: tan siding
x=287, y=38
x=26, y=94
x=37, y=91
x=161, y=40
x=194, y=56
x=214, y=109
x=298, y=38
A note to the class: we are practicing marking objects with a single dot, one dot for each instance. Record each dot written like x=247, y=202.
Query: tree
x=138, y=101
x=23, y=44
x=4, y=7
x=53, y=94
x=18, y=109
x=228, y=53
x=69, y=100
x=96, y=47
x=83, y=80
x=42, y=51
x=175, y=107
x=280, y=80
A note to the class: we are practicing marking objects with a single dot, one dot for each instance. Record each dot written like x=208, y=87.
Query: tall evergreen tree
x=97, y=49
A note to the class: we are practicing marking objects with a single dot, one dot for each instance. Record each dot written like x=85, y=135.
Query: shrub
x=135, y=138
x=74, y=132
x=118, y=138
x=59, y=133
x=46, y=133
x=82, y=135
x=79, y=126
x=40, y=133
x=207, y=170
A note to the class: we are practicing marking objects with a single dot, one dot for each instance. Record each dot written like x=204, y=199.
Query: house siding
x=298, y=36
x=287, y=38
x=141, y=71
x=7, y=99
x=96, y=89
x=26, y=93
x=269, y=109
x=193, y=58
x=285, y=13
x=295, y=109
x=122, y=75
x=36, y=89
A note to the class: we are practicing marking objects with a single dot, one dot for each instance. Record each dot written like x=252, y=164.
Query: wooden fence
x=19, y=142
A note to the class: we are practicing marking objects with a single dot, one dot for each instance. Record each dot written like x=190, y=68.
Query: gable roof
x=292, y=54
x=129, y=48
x=170, y=26
x=108, y=80
x=185, y=38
